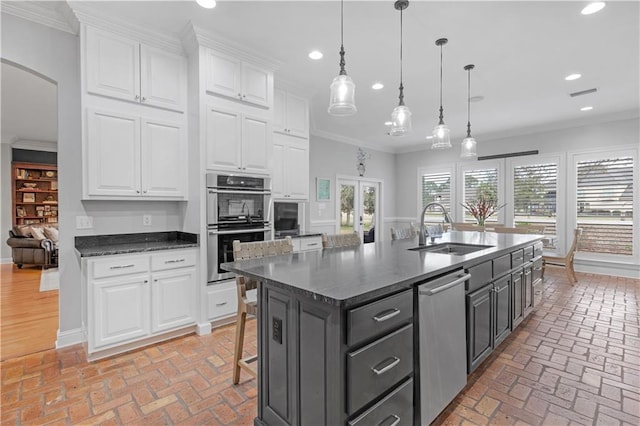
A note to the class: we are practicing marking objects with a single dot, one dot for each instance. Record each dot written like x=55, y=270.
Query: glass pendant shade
x=342, y=97
x=468, y=147
x=441, y=137
x=401, y=121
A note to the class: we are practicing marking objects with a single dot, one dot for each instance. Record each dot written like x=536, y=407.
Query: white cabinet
x=237, y=141
x=290, y=177
x=310, y=243
x=291, y=114
x=131, y=156
x=136, y=296
x=222, y=301
x=230, y=77
x=122, y=68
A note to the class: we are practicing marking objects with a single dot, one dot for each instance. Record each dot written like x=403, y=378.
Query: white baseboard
x=625, y=270
x=202, y=329
x=69, y=338
x=6, y=260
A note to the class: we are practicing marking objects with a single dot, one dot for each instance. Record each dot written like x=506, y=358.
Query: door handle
x=446, y=286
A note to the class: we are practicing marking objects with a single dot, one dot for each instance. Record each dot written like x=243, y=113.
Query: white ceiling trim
x=50, y=146
x=35, y=12
x=350, y=141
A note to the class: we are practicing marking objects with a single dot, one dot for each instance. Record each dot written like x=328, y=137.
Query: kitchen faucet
x=447, y=219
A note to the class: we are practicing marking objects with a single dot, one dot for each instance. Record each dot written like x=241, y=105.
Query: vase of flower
x=482, y=208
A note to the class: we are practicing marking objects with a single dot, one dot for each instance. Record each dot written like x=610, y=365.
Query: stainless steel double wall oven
x=238, y=208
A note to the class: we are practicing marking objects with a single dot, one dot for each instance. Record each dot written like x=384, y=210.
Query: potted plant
x=482, y=208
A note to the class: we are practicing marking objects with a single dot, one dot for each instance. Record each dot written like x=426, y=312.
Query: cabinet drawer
x=172, y=259
x=528, y=253
x=395, y=408
x=222, y=301
x=375, y=368
x=312, y=243
x=377, y=317
x=480, y=275
x=537, y=249
x=501, y=265
x=120, y=265
x=517, y=258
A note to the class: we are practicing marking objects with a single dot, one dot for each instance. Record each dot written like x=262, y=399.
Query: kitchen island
x=339, y=329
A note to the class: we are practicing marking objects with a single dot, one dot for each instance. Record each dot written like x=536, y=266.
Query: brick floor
x=576, y=360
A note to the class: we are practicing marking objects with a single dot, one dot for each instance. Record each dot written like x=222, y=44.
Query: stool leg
x=237, y=353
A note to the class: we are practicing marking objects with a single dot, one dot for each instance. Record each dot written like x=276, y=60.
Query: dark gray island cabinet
x=343, y=333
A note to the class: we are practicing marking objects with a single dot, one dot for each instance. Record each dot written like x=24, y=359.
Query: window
x=480, y=183
x=535, y=195
x=436, y=187
x=604, y=207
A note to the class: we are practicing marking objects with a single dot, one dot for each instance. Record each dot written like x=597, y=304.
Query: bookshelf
x=34, y=193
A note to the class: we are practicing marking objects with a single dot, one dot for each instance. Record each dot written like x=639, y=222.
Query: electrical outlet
x=146, y=220
x=84, y=222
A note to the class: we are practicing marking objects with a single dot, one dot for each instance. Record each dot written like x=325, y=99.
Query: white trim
x=50, y=146
x=36, y=12
x=69, y=338
x=203, y=328
x=463, y=167
x=399, y=219
x=323, y=222
x=616, y=269
x=347, y=140
x=6, y=260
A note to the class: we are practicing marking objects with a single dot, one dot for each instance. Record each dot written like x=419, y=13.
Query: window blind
x=477, y=183
x=436, y=187
x=535, y=195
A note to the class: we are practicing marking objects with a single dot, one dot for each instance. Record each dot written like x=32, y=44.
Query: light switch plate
x=84, y=222
x=146, y=220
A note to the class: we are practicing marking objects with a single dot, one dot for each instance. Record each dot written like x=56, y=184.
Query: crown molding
x=87, y=14
x=34, y=145
x=224, y=45
x=349, y=141
x=53, y=16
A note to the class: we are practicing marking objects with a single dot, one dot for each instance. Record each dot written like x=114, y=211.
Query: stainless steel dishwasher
x=443, y=343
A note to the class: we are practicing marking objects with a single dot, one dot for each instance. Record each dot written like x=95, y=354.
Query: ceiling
x=522, y=51
x=29, y=111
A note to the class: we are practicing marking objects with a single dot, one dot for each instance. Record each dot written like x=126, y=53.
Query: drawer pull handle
x=122, y=266
x=394, y=361
x=393, y=418
x=312, y=244
x=221, y=304
x=174, y=261
x=386, y=315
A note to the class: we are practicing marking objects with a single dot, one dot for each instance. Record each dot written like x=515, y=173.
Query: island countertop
x=347, y=276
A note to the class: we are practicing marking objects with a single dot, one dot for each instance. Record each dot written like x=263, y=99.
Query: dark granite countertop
x=104, y=245
x=347, y=276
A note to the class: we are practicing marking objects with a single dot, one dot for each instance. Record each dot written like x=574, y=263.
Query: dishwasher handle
x=432, y=291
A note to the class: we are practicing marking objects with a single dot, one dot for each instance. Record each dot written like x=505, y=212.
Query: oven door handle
x=238, y=231
x=245, y=192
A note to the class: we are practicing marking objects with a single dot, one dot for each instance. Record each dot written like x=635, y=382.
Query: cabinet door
x=173, y=299
x=162, y=78
x=256, y=85
x=223, y=75
x=297, y=168
x=516, y=301
x=528, y=290
x=222, y=301
x=256, y=144
x=163, y=159
x=112, y=65
x=479, y=327
x=502, y=312
x=279, y=111
x=278, y=162
x=119, y=309
x=297, y=116
x=224, y=141
x=113, y=154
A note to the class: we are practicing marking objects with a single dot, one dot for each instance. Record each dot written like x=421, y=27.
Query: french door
x=358, y=208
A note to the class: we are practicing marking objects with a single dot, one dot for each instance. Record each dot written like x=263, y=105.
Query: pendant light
x=342, y=98
x=468, y=143
x=441, y=139
x=401, y=116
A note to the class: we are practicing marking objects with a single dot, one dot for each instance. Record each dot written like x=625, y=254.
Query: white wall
x=55, y=54
x=328, y=158
x=5, y=200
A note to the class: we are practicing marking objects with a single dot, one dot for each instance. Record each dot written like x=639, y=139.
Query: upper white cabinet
x=233, y=78
x=237, y=141
x=290, y=178
x=123, y=68
x=290, y=114
x=132, y=156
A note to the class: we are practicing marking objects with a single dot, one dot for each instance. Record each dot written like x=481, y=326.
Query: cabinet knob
x=144, y=99
x=239, y=95
x=137, y=192
x=146, y=281
x=144, y=192
x=244, y=96
x=137, y=97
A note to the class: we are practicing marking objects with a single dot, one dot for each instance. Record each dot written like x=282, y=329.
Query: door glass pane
x=347, y=214
x=369, y=196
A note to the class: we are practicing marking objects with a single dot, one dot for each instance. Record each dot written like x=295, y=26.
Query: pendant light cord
x=342, y=63
x=441, y=111
x=469, y=102
x=401, y=86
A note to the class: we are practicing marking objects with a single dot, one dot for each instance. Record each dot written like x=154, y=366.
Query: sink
x=456, y=249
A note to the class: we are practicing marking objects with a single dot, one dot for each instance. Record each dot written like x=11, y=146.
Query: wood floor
x=29, y=317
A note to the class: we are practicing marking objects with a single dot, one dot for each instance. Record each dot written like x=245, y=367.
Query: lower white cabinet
x=307, y=243
x=222, y=300
x=135, y=296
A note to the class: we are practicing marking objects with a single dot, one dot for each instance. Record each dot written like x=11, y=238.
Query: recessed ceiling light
x=572, y=77
x=388, y=123
x=377, y=86
x=429, y=137
x=476, y=98
x=594, y=7
x=587, y=108
x=315, y=55
x=207, y=4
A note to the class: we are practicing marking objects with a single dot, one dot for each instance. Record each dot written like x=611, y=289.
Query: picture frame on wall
x=323, y=189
